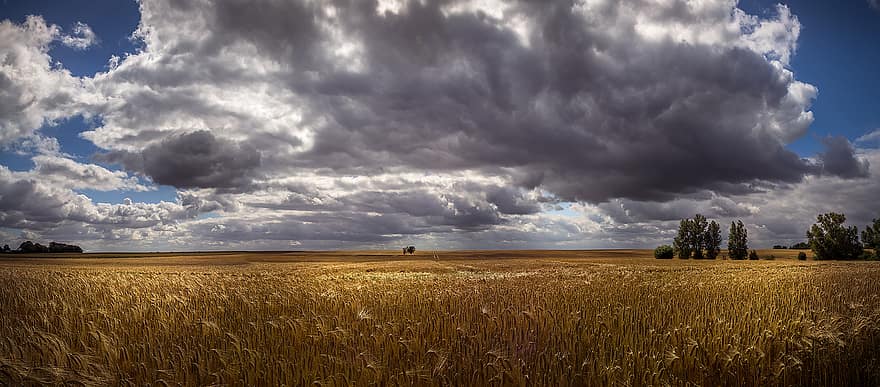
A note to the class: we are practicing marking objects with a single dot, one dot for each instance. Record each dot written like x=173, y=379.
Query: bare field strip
x=448, y=318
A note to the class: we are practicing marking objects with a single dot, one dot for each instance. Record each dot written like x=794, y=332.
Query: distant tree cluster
x=697, y=238
x=829, y=238
x=800, y=246
x=29, y=247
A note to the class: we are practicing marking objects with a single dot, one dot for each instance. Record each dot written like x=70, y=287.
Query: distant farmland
x=450, y=318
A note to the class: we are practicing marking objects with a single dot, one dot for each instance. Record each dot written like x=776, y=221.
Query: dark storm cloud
x=194, y=160
x=597, y=115
x=839, y=159
x=583, y=105
x=459, y=209
x=22, y=204
x=510, y=201
x=339, y=228
x=629, y=211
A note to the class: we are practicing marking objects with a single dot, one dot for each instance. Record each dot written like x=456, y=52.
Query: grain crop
x=450, y=318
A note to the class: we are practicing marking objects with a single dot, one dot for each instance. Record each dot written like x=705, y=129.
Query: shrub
x=753, y=255
x=664, y=252
x=802, y=256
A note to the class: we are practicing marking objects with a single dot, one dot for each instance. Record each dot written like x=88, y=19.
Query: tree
x=26, y=246
x=698, y=235
x=802, y=256
x=693, y=238
x=737, y=241
x=5, y=248
x=753, y=255
x=871, y=237
x=712, y=240
x=830, y=239
x=682, y=241
x=664, y=252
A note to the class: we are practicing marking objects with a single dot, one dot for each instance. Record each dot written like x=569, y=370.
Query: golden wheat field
x=445, y=318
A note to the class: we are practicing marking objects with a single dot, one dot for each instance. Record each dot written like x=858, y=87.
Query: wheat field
x=446, y=318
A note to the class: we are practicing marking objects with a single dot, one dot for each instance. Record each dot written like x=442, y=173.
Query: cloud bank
x=454, y=124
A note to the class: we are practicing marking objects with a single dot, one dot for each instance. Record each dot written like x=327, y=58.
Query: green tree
x=698, y=235
x=871, y=237
x=830, y=239
x=712, y=240
x=737, y=241
x=682, y=241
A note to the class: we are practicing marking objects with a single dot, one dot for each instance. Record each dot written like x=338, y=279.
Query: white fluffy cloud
x=80, y=38
x=33, y=90
x=68, y=173
x=872, y=137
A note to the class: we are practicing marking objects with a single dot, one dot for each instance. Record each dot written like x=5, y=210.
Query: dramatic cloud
x=593, y=102
x=195, y=159
x=839, y=159
x=31, y=203
x=459, y=124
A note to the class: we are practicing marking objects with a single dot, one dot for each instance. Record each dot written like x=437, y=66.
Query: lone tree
x=830, y=239
x=738, y=241
x=712, y=240
x=871, y=237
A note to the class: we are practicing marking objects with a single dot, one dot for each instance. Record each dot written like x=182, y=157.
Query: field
x=447, y=318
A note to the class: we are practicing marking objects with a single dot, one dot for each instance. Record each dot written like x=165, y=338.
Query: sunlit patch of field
x=462, y=318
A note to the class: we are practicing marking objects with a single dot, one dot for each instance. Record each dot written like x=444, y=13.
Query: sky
x=290, y=125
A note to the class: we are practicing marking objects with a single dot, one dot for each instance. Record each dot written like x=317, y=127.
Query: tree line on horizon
x=829, y=238
x=53, y=247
